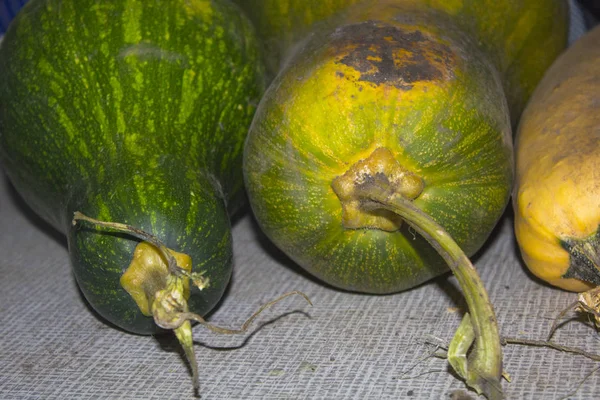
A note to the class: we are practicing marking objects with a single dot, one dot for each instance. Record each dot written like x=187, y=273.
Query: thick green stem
x=185, y=338
x=485, y=360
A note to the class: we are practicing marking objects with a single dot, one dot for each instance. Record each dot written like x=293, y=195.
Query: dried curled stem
x=169, y=306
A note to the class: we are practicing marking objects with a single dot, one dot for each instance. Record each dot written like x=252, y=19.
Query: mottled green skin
x=134, y=112
x=282, y=23
x=449, y=125
x=521, y=37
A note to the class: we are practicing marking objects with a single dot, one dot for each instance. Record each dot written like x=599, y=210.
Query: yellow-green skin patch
x=522, y=38
x=133, y=112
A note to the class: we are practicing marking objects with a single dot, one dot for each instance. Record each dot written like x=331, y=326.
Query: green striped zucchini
x=133, y=112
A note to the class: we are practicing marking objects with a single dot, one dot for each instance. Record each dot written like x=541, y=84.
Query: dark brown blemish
x=375, y=53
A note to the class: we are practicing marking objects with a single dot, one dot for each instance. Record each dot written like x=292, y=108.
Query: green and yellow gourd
x=133, y=112
x=387, y=130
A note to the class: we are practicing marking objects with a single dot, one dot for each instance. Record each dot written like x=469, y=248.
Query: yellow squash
x=557, y=193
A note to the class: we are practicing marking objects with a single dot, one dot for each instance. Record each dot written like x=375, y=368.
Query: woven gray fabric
x=347, y=346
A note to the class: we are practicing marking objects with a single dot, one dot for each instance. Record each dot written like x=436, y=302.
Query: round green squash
x=431, y=109
x=409, y=77
x=383, y=149
x=132, y=112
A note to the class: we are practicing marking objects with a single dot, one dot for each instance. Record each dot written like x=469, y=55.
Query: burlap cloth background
x=347, y=346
